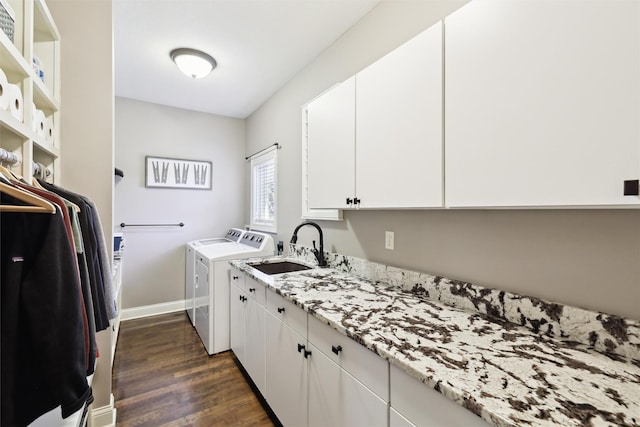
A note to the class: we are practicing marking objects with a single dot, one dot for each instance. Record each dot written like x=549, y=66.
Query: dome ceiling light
x=194, y=63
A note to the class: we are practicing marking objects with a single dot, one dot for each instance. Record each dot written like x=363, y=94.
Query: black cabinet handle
x=356, y=201
x=235, y=277
x=349, y=201
x=243, y=298
x=280, y=309
x=632, y=187
x=307, y=354
x=300, y=347
x=252, y=289
x=336, y=349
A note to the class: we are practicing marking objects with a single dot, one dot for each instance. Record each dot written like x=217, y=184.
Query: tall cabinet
x=33, y=133
x=375, y=140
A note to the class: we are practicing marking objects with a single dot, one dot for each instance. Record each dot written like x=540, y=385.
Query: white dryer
x=212, y=286
x=232, y=236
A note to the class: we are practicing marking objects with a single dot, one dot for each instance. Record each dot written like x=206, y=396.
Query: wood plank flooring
x=162, y=376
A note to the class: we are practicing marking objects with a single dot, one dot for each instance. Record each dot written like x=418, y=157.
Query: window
x=264, y=187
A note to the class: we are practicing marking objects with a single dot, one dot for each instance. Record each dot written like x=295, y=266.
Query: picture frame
x=164, y=172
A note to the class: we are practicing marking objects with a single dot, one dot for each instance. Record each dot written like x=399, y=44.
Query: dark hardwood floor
x=162, y=376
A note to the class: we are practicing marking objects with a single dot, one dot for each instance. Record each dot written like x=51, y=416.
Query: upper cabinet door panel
x=542, y=103
x=330, y=147
x=399, y=126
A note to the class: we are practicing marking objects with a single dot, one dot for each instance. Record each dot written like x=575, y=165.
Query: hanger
x=8, y=173
x=36, y=203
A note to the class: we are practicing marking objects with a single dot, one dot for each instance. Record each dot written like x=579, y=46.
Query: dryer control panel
x=257, y=240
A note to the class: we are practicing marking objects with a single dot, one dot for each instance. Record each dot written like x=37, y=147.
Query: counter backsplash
x=609, y=334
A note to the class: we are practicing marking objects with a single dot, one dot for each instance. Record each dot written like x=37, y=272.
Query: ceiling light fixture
x=194, y=63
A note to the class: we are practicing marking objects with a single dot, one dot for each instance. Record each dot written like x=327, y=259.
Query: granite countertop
x=508, y=374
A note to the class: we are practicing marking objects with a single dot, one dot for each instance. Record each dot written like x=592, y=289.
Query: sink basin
x=280, y=267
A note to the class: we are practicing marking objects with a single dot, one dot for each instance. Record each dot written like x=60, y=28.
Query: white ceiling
x=259, y=46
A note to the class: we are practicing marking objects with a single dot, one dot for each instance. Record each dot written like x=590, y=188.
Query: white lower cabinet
x=312, y=375
x=286, y=372
x=238, y=308
x=415, y=404
x=397, y=420
x=255, y=334
x=336, y=398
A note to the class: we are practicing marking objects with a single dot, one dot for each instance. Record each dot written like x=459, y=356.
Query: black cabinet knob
x=300, y=347
x=235, y=277
x=307, y=353
x=280, y=309
x=252, y=289
x=336, y=349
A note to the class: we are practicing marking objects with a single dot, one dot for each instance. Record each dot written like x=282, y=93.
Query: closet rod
x=8, y=157
x=264, y=149
x=122, y=224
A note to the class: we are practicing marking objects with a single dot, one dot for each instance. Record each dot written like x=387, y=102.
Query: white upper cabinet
x=375, y=141
x=542, y=103
x=399, y=126
x=330, y=147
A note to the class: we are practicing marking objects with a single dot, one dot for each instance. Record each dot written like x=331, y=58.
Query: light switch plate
x=389, y=240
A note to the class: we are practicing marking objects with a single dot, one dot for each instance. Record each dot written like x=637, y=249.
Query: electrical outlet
x=388, y=240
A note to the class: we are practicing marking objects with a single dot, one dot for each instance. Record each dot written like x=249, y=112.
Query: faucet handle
x=314, y=246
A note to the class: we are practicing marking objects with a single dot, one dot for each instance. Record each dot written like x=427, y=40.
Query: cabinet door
x=330, y=147
x=542, y=103
x=338, y=399
x=255, y=343
x=423, y=406
x=286, y=373
x=397, y=420
x=399, y=126
x=363, y=364
x=237, y=325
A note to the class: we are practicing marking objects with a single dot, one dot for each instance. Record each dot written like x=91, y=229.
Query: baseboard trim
x=153, y=310
x=104, y=416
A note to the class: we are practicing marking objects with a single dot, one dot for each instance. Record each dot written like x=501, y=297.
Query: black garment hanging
x=91, y=254
x=42, y=333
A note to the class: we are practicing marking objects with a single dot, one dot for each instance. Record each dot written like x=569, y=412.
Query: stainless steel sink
x=280, y=267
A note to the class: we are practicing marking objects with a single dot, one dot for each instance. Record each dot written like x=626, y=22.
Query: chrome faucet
x=318, y=253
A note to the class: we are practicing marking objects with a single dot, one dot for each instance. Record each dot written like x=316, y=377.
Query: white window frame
x=257, y=222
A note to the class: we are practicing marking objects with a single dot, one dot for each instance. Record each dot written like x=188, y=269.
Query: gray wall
x=586, y=258
x=153, y=270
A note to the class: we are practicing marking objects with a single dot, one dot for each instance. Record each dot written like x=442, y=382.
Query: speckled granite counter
x=511, y=360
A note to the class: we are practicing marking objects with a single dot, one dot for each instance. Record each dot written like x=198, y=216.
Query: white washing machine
x=212, y=286
x=232, y=236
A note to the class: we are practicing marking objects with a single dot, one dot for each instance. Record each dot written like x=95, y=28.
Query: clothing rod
x=264, y=149
x=122, y=224
x=8, y=157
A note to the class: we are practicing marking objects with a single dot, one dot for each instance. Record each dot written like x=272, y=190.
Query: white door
x=542, y=103
x=330, y=147
x=237, y=316
x=286, y=373
x=399, y=126
x=255, y=343
x=337, y=399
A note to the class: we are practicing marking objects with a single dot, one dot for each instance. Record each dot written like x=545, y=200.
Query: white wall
x=586, y=258
x=86, y=31
x=153, y=270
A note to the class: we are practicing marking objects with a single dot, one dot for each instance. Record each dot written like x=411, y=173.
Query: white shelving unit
x=35, y=35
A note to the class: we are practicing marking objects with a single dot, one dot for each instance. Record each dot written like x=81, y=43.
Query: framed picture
x=162, y=172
